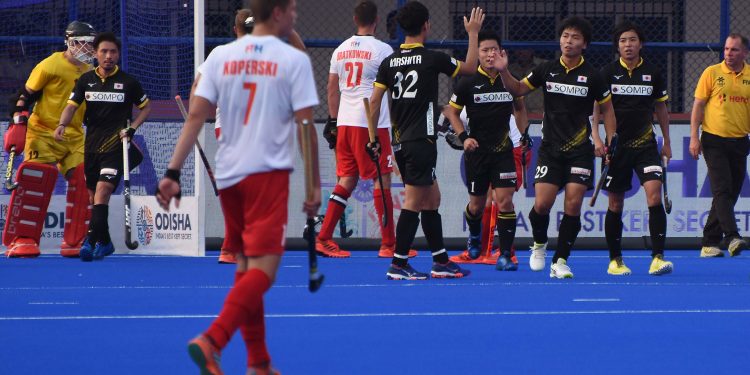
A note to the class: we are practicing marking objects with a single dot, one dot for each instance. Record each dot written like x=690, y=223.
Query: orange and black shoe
x=207, y=356
x=227, y=257
x=388, y=251
x=330, y=249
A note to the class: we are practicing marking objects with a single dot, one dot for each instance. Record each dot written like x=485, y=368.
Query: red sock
x=388, y=233
x=336, y=207
x=254, y=334
x=244, y=300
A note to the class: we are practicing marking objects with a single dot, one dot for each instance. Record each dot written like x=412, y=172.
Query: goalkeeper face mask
x=82, y=48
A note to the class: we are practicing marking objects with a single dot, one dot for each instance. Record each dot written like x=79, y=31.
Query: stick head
x=316, y=281
x=131, y=245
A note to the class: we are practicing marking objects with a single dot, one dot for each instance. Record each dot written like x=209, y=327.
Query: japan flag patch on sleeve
x=582, y=79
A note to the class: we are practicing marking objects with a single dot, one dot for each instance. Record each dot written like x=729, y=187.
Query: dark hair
x=412, y=17
x=623, y=27
x=107, y=37
x=365, y=13
x=741, y=37
x=489, y=35
x=262, y=9
x=241, y=23
x=576, y=23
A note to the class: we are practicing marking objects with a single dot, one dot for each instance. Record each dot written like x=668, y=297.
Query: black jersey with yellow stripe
x=569, y=95
x=488, y=109
x=634, y=93
x=411, y=75
x=109, y=105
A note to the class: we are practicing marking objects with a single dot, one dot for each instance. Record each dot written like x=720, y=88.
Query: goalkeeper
x=47, y=89
x=109, y=94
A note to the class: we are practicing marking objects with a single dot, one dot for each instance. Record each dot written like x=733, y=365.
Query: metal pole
x=724, y=24
x=123, y=36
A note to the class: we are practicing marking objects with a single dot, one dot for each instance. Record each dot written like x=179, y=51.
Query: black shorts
x=489, y=168
x=644, y=161
x=107, y=166
x=417, y=160
x=560, y=168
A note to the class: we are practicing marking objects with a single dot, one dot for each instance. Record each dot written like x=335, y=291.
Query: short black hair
x=623, y=27
x=262, y=9
x=107, y=37
x=412, y=16
x=577, y=23
x=365, y=13
x=742, y=38
x=489, y=35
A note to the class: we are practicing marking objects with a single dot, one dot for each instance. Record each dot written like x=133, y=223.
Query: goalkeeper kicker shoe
x=102, y=250
x=659, y=266
x=23, y=247
x=205, y=355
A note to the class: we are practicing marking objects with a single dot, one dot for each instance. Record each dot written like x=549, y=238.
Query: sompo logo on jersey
x=493, y=97
x=640, y=90
x=572, y=90
x=110, y=97
x=145, y=224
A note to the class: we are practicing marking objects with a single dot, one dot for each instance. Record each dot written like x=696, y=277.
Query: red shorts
x=351, y=157
x=517, y=153
x=255, y=214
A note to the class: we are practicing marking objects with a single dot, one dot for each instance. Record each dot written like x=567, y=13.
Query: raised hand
x=474, y=23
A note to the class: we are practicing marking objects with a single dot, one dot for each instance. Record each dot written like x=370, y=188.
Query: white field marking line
x=53, y=303
x=381, y=315
x=385, y=285
x=291, y=266
x=596, y=300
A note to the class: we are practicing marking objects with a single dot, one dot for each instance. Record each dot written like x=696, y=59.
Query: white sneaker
x=538, y=255
x=560, y=270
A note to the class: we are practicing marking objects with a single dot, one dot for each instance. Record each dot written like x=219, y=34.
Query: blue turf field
x=133, y=315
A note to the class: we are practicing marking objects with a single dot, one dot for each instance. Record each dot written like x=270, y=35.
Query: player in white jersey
x=263, y=86
x=354, y=65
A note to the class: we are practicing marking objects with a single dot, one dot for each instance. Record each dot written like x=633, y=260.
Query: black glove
x=373, y=149
x=526, y=140
x=330, y=132
x=452, y=139
x=130, y=133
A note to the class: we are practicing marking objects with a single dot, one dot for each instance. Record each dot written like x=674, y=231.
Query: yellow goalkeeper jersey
x=55, y=77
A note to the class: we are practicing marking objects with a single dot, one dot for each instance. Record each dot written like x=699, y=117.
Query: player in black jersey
x=411, y=74
x=488, y=147
x=109, y=94
x=638, y=89
x=566, y=157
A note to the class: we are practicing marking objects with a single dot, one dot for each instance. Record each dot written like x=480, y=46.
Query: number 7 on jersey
x=252, y=87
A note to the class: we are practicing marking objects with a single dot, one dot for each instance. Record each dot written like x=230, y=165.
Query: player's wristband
x=131, y=132
x=463, y=137
x=173, y=174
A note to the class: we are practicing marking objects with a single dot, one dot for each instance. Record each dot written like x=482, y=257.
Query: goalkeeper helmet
x=79, y=37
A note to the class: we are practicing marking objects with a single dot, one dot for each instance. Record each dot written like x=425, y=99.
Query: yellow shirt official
x=727, y=96
x=55, y=77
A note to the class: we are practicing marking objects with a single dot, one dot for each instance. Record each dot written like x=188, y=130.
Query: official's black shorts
x=489, y=168
x=107, y=166
x=560, y=168
x=417, y=160
x=644, y=161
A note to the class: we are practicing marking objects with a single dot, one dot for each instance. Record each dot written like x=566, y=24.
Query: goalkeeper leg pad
x=77, y=214
x=29, y=202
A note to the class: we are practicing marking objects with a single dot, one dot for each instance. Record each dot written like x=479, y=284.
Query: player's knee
x=616, y=203
x=476, y=205
x=504, y=202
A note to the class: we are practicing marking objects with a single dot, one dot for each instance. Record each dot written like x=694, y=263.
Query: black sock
x=506, y=231
x=98, y=223
x=406, y=229
x=657, y=225
x=474, y=222
x=104, y=224
x=432, y=226
x=539, y=226
x=613, y=232
x=569, y=228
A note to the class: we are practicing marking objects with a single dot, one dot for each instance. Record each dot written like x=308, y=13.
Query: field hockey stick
x=342, y=226
x=316, y=278
x=667, y=202
x=605, y=170
x=9, y=184
x=209, y=171
x=132, y=245
x=526, y=148
x=371, y=128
